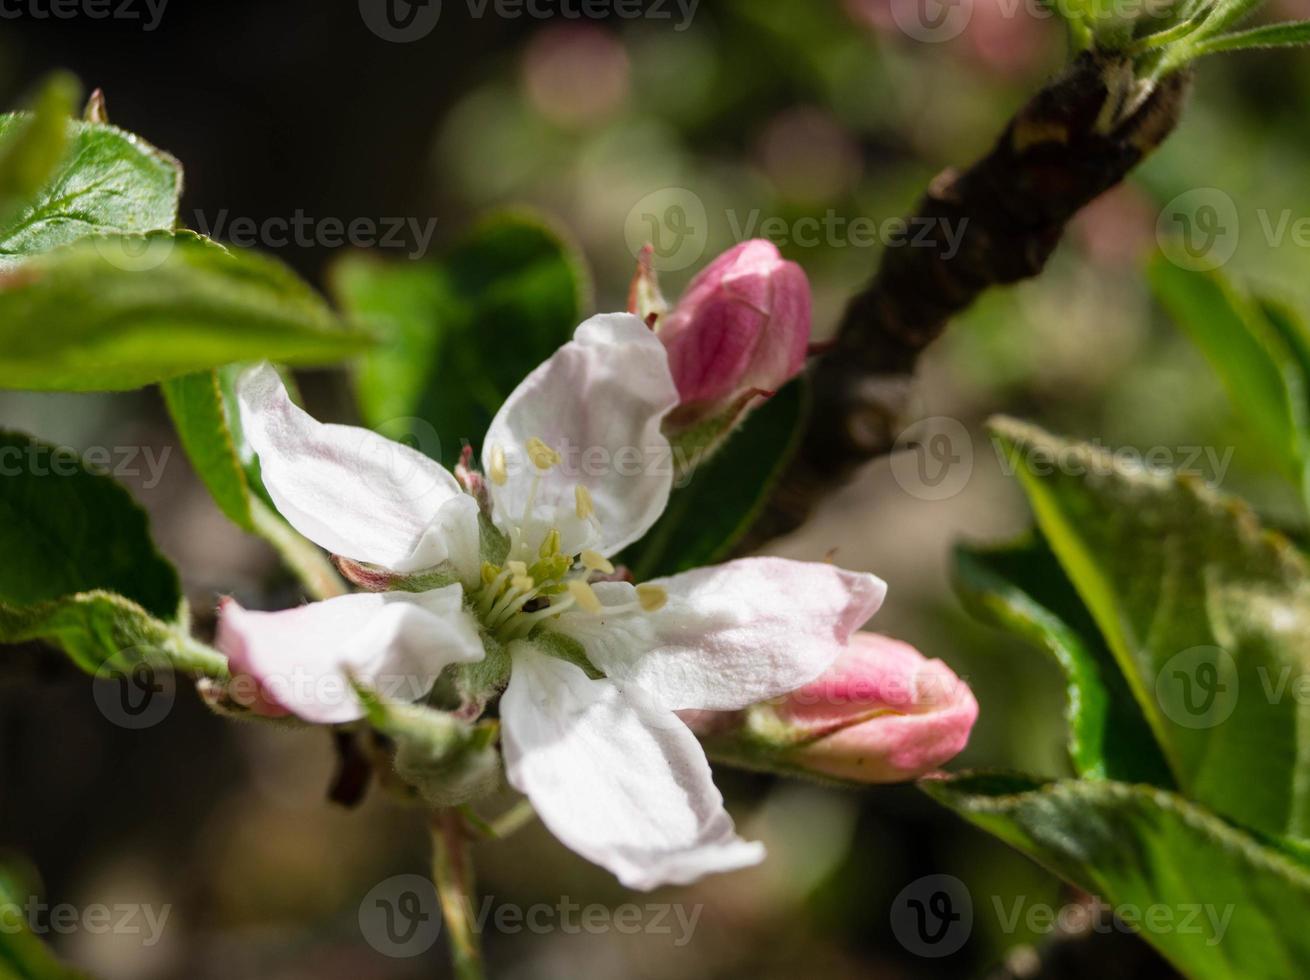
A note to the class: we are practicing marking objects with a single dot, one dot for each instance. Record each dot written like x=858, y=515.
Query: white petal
x=347, y=489
x=730, y=635
x=395, y=643
x=615, y=777
x=598, y=402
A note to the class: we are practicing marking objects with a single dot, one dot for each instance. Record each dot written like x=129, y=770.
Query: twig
x=452, y=873
x=1077, y=138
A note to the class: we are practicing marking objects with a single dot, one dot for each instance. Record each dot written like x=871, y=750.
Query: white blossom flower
x=576, y=469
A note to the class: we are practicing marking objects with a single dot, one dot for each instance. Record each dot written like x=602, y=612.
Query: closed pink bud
x=742, y=327
x=882, y=713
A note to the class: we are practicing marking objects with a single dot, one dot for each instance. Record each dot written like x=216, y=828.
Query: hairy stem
x=452, y=872
x=309, y=564
x=1077, y=138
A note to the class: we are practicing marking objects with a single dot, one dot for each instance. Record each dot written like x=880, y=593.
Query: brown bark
x=1055, y=156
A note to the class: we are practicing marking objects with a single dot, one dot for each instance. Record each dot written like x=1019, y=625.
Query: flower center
x=532, y=588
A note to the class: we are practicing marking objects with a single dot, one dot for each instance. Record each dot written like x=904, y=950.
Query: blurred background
x=780, y=118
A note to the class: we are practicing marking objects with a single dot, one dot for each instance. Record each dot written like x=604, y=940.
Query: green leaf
x=200, y=415
x=1023, y=589
x=96, y=628
x=33, y=143
x=460, y=334
x=1206, y=613
x=65, y=530
x=1225, y=907
x=1225, y=13
x=23, y=956
x=714, y=510
x=1264, y=365
x=1293, y=34
x=105, y=181
x=118, y=313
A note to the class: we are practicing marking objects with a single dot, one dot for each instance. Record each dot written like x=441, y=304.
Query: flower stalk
x=452, y=873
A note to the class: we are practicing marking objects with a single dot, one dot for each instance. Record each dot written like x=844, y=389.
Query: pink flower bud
x=882, y=713
x=742, y=327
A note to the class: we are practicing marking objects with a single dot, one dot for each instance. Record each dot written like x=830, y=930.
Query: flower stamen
x=585, y=596
x=584, y=506
x=499, y=471
x=593, y=561
x=653, y=598
x=543, y=456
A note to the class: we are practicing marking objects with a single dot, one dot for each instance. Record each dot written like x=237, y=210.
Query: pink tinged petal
x=882, y=713
x=615, y=777
x=730, y=635
x=743, y=323
x=598, y=402
x=301, y=660
x=347, y=489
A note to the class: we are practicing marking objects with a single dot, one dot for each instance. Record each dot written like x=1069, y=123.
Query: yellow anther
x=517, y=568
x=542, y=456
x=585, y=596
x=652, y=597
x=498, y=471
x=523, y=583
x=585, y=505
x=489, y=573
x=593, y=561
x=551, y=545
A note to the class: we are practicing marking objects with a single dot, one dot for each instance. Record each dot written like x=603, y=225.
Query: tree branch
x=1074, y=140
